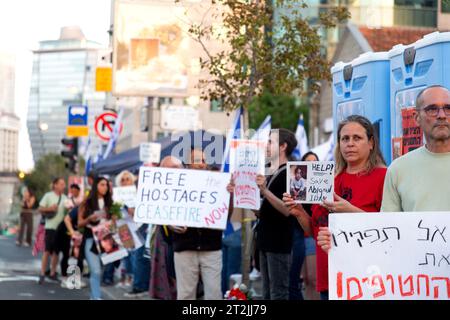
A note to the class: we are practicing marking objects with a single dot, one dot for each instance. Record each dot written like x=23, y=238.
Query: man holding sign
x=410, y=185
x=275, y=228
x=197, y=199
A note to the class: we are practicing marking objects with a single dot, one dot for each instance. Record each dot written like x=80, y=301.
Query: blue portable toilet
x=413, y=68
x=362, y=87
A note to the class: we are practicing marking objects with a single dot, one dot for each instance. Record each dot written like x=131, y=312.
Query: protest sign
x=310, y=181
x=390, y=256
x=150, y=152
x=108, y=242
x=193, y=198
x=412, y=133
x=125, y=195
x=127, y=230
x=246, y=162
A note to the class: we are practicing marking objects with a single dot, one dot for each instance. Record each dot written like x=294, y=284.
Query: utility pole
x=150, y=118
x=246, y=218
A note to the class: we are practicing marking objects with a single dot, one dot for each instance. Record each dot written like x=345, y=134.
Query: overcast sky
x=23, y=23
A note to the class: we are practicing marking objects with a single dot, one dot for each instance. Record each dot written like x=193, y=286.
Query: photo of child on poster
x=310, y=181
x=298, y=176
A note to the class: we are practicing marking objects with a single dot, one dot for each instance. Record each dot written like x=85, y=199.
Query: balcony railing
x=382, y=16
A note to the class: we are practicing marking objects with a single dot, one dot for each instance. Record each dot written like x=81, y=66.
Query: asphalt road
x=19, y=273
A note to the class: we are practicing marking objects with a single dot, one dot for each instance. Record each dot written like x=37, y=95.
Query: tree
x=46, y=169
x=284, y=110
x=265, y=46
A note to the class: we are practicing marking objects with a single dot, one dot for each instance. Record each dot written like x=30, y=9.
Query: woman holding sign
x=359, y=164
x=91, y=210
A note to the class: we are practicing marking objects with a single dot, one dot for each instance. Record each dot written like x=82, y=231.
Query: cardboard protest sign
x=125, y=195
x=246, y=162
x=150, y=152
x=310, y=181
x=128, y=235
x=108, y=242
x=412, y=133
x=193, y=198
x=390, y=256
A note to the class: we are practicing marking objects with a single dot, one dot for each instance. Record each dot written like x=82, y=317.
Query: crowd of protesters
x=292, y=240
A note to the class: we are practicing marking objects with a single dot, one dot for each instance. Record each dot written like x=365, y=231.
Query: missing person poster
x=246, y=162
x=182, y=197
x=310, y=181
x=412, y=133
x=108, y=242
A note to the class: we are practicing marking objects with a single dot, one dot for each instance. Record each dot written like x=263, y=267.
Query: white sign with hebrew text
x=390, y=256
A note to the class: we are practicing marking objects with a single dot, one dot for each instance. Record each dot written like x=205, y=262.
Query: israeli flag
x=234, y=133
x=330, y=154
x=325, y=151
x=87, y=156
x=302, y=140
x=115, y=135
x=263, y=132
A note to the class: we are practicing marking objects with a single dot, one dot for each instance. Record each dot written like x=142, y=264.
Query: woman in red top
x=358, y=185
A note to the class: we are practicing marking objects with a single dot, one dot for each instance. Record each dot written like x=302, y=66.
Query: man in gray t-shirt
x=52, y=207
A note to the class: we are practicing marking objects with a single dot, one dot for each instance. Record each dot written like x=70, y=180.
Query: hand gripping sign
x=193, y=198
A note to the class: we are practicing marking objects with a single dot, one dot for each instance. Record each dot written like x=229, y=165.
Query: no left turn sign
x=104, y=125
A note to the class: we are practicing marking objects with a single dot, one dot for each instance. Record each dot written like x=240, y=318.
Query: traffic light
x=71, y=153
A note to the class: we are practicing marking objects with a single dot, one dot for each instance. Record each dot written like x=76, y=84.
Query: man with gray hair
x=418, y=180
x=415, y=181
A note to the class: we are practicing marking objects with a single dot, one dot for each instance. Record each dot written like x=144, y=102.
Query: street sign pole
x=150, y=118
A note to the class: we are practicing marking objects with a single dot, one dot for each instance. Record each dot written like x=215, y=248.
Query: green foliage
x=265, y=47
x=116, y=210
x=284, y=109
x=46, y=169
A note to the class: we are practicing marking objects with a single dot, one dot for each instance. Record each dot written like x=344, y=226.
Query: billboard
x=153, y=51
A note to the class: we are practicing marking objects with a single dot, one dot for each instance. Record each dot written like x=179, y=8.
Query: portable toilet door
x=362, y=87
x=413, y=68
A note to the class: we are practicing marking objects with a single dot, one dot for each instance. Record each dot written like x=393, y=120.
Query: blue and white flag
x=115, y=135
x=330, y=154
x=263, y=132
x=234, y=133
x=302, y=140
x=325, y=151
x=87, y=156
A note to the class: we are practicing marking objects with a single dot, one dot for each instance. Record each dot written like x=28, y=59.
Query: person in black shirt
x=275, y=227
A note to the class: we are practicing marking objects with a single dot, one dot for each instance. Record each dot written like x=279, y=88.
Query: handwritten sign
x=193, y=198
x=390, y=256
x=125, y=195
x=150, y=152
x=310, y=181
x=246, y=162
x=412, y=133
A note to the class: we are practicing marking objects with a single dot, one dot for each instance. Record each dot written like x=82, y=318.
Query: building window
x=215, y=106
x=160, y=135
x=445, y=8
x=162, y=101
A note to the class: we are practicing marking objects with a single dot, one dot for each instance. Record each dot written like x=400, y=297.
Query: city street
x=19, y=272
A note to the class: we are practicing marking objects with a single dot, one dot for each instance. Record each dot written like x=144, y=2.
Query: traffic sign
x=103, y=79
x=77, y=124
x=104, y=125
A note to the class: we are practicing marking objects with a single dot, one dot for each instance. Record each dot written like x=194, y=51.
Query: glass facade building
x=63, y=75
